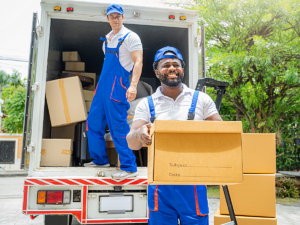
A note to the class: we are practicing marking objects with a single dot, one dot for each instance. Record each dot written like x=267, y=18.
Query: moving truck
x=90, y=194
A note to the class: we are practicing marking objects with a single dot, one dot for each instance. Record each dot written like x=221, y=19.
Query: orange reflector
x=57, y=8
x=41, y=199
x=182, y=18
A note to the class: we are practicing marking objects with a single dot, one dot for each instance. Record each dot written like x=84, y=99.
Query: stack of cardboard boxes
x=68, y=104
x=254, y=201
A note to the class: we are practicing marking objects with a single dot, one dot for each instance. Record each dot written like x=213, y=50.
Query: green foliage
x=4, y=80
x=14, y=107
x=287, y=187
x=254, y=45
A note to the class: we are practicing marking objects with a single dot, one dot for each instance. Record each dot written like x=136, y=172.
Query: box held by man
x=195, y=152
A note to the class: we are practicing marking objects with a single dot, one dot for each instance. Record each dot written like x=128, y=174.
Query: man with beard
x=173, y=100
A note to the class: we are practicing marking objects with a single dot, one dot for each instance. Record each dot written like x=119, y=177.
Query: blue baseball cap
x=114, y=8
x=160, y=54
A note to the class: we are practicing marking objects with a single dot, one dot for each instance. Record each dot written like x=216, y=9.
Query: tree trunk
x=238, y=114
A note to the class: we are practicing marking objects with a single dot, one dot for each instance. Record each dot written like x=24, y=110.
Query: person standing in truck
x=172, y=101
x=123, y=56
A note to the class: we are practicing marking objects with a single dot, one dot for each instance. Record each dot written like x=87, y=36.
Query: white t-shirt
x=168, y=109
x=131, y=43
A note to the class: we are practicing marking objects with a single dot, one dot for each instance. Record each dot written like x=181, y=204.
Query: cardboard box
x=71, y=57
x=75, y=66
x=243, y=220
x=65, y=101
x=195, y=152
x=91, y=75
x=88, y=106
x=254, y=197
x=64, y=132
x=259, y=153
x=56, y=152
x=88, y=95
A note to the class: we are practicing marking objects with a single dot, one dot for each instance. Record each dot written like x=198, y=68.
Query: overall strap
x=122, y=39
x=152, y=109
x=191, y=114
x=104, y=39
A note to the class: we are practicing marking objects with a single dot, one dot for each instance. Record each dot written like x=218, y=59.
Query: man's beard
x=170, y=83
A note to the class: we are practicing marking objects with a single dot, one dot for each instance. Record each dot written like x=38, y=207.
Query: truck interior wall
x=83, y=36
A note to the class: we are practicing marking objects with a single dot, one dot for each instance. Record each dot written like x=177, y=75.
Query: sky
x=15, y=30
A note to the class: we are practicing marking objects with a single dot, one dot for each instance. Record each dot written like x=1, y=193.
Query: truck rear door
x=31, y=87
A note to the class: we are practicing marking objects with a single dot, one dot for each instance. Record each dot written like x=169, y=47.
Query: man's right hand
x=142, y=134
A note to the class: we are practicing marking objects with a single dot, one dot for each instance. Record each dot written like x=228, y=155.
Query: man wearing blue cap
x=123, y=57
x=172, y=101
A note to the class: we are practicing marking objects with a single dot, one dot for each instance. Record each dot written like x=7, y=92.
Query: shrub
x=287, y=187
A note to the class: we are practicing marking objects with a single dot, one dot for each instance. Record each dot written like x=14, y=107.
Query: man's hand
x=142, y=134
x=131, y=93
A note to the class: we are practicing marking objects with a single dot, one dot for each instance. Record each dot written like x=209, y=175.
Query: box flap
x=189, y=126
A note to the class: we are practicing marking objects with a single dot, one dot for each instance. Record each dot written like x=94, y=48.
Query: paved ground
x=11, y=190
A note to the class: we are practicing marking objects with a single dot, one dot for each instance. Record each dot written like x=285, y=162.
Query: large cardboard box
x=65, y=101
x=64, y=132
x=259, y=153
x=243, y=220
x=75, y=66
x=56, y=152
x=195, y=152
x=91, y=75
x=254, y=197
x=88, y=95
x=71, y=57
x=88, y=106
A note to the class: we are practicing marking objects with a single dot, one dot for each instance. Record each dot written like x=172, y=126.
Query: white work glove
x=142, y=134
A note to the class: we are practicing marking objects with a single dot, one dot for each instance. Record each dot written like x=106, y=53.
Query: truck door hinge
x=40, y=31
x=30, y=147
x=197, y=41
x=35, y=87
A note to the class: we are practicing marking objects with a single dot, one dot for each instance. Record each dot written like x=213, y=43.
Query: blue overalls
x=168, y=203
x=110, y=107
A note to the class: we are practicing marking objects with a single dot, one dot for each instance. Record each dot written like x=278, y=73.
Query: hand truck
x=220, y=87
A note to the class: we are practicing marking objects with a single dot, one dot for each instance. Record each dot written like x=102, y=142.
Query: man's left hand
x=131, y=93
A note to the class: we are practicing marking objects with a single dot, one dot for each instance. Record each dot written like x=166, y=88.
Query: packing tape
x=70, y=56
x=74, y=66
x=64, y=99
x=66, y=152
x=43, y=152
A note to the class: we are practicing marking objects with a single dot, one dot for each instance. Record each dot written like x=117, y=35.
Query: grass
x=214, y=192
x=288, y=201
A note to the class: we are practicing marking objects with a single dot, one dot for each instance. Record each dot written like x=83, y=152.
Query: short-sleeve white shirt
x=131, y=43
x=168, y=109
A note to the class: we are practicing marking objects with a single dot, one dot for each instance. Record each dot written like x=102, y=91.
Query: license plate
x=116, y=203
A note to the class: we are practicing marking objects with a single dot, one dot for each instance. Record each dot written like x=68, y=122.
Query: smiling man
x=172, y=101
x=123, y=57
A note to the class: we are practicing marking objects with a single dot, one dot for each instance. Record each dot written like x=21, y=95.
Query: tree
x=14, y=107
x=15, y=79
x=255, y=46
x=4, y=80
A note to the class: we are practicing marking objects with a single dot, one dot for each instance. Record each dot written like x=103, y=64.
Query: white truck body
x=150, y=24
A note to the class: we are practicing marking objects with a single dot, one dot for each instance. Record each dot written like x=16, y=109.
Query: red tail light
x=54, y=197
x=70, y=9
x=172, y=17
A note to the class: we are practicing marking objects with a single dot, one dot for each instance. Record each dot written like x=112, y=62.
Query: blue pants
x=168, y=203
